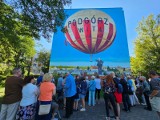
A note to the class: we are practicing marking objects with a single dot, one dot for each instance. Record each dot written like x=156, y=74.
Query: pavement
x=98, y=113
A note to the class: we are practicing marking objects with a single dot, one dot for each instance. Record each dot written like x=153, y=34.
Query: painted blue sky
x=134, y=11
x=63, y=54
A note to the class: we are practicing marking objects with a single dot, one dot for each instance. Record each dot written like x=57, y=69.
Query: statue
x=99, y=65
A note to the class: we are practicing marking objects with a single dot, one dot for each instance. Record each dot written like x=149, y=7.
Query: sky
x=134, y=11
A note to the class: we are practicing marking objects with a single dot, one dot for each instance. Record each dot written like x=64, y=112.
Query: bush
x=2, y=79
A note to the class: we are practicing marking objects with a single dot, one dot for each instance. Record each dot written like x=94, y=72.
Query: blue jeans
x=91, y=99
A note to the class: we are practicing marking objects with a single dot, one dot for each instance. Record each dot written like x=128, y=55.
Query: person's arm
x=154, y=93
x=36, y=91
x=155, y=89
x=54, y=89
x=67, y=85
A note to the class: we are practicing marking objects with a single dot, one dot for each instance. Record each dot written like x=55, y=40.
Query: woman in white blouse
x=27, y=107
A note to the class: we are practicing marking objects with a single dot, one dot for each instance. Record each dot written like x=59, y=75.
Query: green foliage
x=21, y=21
x=41, y=16
x=16, y=42
x=147, y=47
x=43, y=58
x=2, y=79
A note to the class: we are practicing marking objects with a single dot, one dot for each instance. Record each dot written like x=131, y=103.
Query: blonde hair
x=47, y=77
x=92, y=77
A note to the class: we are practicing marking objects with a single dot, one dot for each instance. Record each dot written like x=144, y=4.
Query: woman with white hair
x=27, y=106
x=92, y=88
x=146, y=92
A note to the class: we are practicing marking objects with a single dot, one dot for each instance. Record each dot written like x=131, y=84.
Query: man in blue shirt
x=60, y=86
x=70, y=91
x=39, y=79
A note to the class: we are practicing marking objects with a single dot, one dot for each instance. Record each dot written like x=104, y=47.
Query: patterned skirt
x=26, y=113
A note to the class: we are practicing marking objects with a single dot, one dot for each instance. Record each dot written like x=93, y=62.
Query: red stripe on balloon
x=76, y=35
x=72, y=43
x=110, y=34
x=99, y=35
x=107, y=45
x=87, y=32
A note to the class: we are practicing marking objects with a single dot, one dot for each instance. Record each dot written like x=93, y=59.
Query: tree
x=41, y=16
x=147, y=46
x=16, y=42
x=43, y=58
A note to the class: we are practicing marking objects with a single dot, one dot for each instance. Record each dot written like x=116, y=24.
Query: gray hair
x=15, y=70
x=113, y=74
x=41, y=73
x=92, y=77
x=142, y=77
x=86, y=77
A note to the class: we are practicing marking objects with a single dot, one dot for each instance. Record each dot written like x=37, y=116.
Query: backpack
x=118, y=85
x=130, y=91
x=120, y=88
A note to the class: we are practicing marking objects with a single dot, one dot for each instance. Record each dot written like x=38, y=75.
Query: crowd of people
x=27, y=99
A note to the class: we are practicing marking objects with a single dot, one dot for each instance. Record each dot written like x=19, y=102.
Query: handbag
x=44, y=109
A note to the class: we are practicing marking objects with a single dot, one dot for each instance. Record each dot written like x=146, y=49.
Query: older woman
x=155, y=92
x=92, y=88
x=47, y=90
x=108, y=86
x=27, y=107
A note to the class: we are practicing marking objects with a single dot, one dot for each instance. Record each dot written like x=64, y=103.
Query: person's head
x=82, y=78
x=77, y=77
x=41, y=73
x=67, y=73
x=128, y=77
x=97, y=76
x=86, y=77
x=122, y=76
x=61, y=75
x=112, y=74
x=92, y=77
x=17, y=72
x=142, y=78
x=28, y=79
x=109, y=79
x=47, y=77
x=152, y=74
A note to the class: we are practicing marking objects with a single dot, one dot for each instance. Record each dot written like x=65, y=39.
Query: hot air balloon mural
x=90, y=31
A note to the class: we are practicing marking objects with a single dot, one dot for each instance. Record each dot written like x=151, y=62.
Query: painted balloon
x=90, y=31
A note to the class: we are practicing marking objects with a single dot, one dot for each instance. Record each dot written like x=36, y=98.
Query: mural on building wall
x=91, y=34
